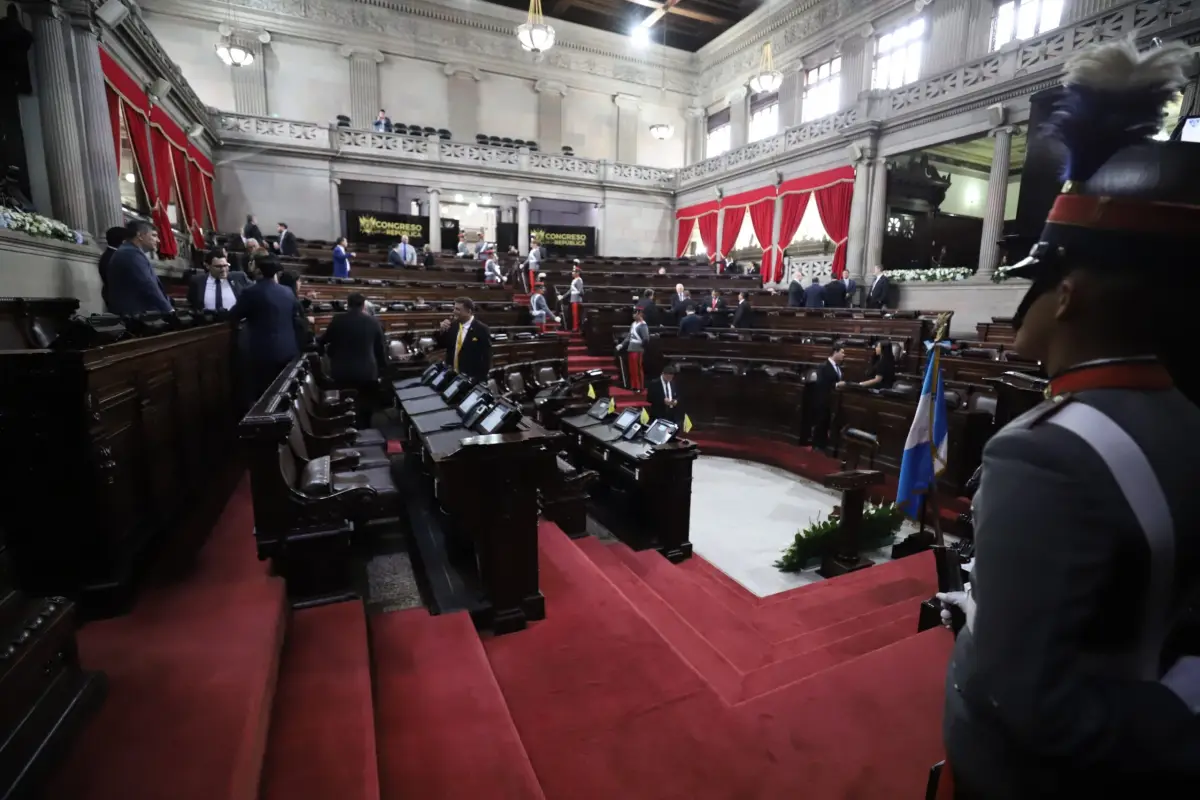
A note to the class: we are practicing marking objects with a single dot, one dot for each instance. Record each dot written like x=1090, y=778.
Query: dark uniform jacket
x=475, y=358
x=1041, y=700
x=355, y=345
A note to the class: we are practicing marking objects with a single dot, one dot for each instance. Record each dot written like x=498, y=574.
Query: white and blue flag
x=925, y=450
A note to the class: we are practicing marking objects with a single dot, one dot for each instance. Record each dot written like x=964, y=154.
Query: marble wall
x=33, y=267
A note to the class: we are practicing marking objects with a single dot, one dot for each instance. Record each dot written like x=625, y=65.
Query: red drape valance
x=698, y=210
x=167, y=159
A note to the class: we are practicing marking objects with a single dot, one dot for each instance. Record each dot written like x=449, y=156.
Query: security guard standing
x=1087, y=518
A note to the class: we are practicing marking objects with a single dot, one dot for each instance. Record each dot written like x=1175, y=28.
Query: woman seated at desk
x=881, y=373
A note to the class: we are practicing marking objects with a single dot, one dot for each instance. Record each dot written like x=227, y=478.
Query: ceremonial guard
x=575, y=298
x=1066, y=679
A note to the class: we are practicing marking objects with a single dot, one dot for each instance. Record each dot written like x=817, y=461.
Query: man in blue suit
x=341, y=259
x=133, y=286
x=814, y=294
x=274, y=323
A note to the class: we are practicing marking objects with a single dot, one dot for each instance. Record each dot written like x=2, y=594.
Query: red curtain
x=731, y=227
x=210, y=202
x=686, y=226
x=790, y=214
x=762, y=217
x=833, y=204
x=139, y=139
x=164, y=179
x=184, y=189
x=708, y=232
x=114, y=119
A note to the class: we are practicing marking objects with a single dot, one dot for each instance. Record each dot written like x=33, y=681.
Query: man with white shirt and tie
x=217, y=289
x=663, y=397
x=877, y=295
x=819, y=395
x=403, y=254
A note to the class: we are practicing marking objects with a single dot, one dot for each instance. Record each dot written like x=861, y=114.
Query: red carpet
x=191, y=675
x=322, y=740
x=444, y=731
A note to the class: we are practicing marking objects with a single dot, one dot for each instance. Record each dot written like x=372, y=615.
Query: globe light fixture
x=485, y=199
x=640, y=35
x=768, y=80
x=662, y=131
x=534, y=34
x=233, y=54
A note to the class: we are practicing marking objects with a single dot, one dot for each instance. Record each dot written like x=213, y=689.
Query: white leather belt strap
x=1144, y=494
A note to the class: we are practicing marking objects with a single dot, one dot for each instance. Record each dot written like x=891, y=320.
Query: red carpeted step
x=730, y=634
x=592, y=361
x=191, y=676
x=443, y=728
x=708, y=662
x=720, y=585
x=782, y=623
x=606, y=709
x=322, y=740
x=919, y=566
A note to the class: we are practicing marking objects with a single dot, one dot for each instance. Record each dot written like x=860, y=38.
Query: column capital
x=628, y=102
x=44, y=8
x=1003, y=130
x=738, y=95
x=855, y=40
x=455, y=70
x=523, y=199
x=363, y=53
x=433, y=190
x=694, y=112
x=550, y=87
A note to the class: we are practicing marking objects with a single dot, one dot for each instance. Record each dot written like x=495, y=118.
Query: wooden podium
x=853, y=485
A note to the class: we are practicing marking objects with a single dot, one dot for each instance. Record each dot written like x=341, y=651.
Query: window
x=822, y=91
x=746, y=238
x=898, y=56
x=764, y=116
x=811, y=229
x=719, y=133
x=1017, y=20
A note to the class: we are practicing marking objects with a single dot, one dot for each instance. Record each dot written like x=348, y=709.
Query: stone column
x=523, y=225
x=856, y=66
x=250, y=83
x=462, y=100
x=364, y=85
x=1076, y=10
x=856, y=240
x=694, y=136
x=627, y=128
x=335, y=206
x=739, y=121
x=60, y=123
x=877, y=214
x=997, y=193
x=435, y=220
x=720, y=224
x=776, y=224
x=949, y=35
x=978, y=35
x=550, y=115
x=791, y=95
x=102, y=182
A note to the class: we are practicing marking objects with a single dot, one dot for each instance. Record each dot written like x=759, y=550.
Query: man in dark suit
x=743, y=317
x=850, y=285
x=133, y=286
x=287, y=245
x=796, y=292
x=715, y=308
x=663, y=397
x=691, y=322
x=679, y=301
x=114, y=237
x=218, y=289
x=357, y=354
x=835, y=294
x=251, y=232
x=274, y=323
x=648, y=307
x=814, y=294
x=820, y=394
x=877, y=295
x=468, y=341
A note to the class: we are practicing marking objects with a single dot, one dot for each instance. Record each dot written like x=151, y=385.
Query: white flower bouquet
x=37, y=225
x=932, y=275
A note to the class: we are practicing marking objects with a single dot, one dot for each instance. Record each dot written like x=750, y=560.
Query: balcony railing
x=1025, y=61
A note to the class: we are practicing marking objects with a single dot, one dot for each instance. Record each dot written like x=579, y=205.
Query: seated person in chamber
x=881, y=374
x=663, y=396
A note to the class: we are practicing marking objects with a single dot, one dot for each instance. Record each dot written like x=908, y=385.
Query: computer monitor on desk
x=433, y=371
x=472, y=399
x=599, y=409
x=660, y=431
x=503, y=418
x=627, y=418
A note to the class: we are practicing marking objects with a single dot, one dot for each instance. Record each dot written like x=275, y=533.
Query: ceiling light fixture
x=640, y=35
x=768, y=79
x=485, y=199
x=130, y=177
x=662, y=131
x=233, y=54
x=472, y=208
x=458, y=198
x=534, y=34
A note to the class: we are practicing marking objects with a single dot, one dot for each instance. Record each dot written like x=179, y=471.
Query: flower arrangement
x=932, y=275
x=37, y=225
x=880, y=524
x=1001, y=274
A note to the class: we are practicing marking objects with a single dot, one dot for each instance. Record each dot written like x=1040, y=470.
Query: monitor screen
x=471, y=400
x=456, y=386
x=660, y=431
x=431, y=371
x=1189, y=131
x=632, y=432
x=627, y=418
x=442, y=379
x=599, y=409
x=493, y=420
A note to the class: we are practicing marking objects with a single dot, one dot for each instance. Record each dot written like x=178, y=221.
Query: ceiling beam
x=673, y=7
x=561, y=7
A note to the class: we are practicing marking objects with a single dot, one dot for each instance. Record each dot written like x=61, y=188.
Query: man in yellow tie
x=468, y=341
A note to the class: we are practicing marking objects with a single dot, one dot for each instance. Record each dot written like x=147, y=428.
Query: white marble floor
x=744, y=515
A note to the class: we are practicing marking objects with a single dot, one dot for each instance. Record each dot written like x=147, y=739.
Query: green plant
x=880, y=524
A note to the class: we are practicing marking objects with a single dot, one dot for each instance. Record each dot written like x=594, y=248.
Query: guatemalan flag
x=925, y=451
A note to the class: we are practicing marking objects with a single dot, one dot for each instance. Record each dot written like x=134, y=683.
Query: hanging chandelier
x=768, y=80
x=233, y=54
x=535, y=35
x=662, y=131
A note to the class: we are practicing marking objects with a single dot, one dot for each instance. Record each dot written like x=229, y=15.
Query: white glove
x=961, y=600
x=1183, y=678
